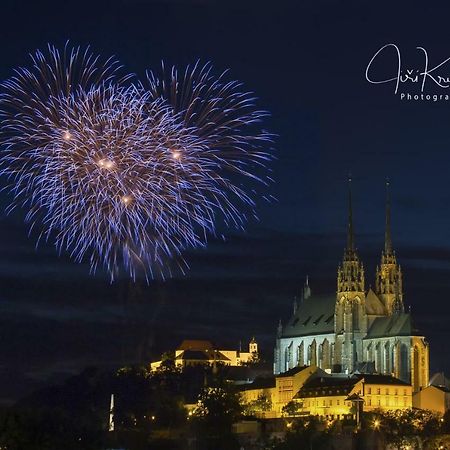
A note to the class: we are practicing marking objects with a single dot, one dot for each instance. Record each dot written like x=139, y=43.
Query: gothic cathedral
x=356, y=330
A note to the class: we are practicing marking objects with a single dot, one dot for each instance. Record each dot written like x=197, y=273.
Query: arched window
x=416, y=365
x=404, y=363
x=312, y=354
x=378, y=358
x=325, y=358
x=289, y=360
x=387, y=358
x=356, y=311
x=369, y=355
x=301, y=354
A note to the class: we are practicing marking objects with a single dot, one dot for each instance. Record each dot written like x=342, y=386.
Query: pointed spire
x=279, y=328
x=306, y=289
x=350, y=240
x=387, y=235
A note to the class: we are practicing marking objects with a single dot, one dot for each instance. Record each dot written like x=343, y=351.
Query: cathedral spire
x=351, y=272
x=388, y=281
x=350, y=237
x=387, y=236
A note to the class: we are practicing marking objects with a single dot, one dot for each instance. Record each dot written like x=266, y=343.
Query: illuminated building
x=279, y=389
x=436, y=396
x=356, y=330
x=433, y=398
x=200, y=352
x=332, y=396
x=316, y=392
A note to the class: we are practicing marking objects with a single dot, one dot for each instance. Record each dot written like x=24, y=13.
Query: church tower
x=350, y=318
x=388, y=279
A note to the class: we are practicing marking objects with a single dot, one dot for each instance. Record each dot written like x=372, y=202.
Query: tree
x=305, y=433
x=218, y=407
x=261, y=404
x=48, y=429
x=405, y=428
x=291, y=409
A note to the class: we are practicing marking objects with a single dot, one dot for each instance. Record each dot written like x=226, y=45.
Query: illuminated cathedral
x=356, y=330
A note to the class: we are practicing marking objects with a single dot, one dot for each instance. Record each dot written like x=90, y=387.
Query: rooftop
x=314, y=315
x=399, y=324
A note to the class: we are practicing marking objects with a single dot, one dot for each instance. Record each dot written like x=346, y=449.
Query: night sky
x=307, y=66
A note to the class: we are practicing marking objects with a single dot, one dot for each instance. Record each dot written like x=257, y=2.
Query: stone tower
x=350, y=318
x=388, y=278
x=253, y=347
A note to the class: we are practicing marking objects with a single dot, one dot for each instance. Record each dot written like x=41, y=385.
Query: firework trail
x=229, y=126
x=120, y=174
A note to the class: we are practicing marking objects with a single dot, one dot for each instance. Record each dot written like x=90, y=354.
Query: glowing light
x=107, y=163
x=376, y=424
x=67, y=135
x=176, y=154
x=127, y=199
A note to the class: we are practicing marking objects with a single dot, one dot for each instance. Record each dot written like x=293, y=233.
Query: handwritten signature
x=408, y=75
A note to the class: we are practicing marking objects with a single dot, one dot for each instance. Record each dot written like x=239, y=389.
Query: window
x=387, y=391
x=404, y=392
x=331, y=402
x=330, y=319
x=318, y=320
x=369, y=390
x=378, y=391
x=324, y=404
x=379, y=402
x=337, y=402
x=369, y=401
x=405, y=401
x=396, y=401
x=396, y=392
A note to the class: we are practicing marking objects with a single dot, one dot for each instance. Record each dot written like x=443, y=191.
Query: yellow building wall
x=334, y=407
x=287, y=387
x=430, y=398
x=375, y=396
x=387, y=397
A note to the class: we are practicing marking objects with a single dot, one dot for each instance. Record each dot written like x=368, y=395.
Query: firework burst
x=229, y=125
x=124, y=175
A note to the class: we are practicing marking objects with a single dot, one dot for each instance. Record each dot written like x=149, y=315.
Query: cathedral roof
x=374, y=306
x=315, y=315
x=399, y=324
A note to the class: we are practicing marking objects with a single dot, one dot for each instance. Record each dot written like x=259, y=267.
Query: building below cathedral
x=357, y=330
x=334, y=396
x=200, y=352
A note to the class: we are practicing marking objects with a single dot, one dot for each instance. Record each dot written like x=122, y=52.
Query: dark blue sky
x=307, y=65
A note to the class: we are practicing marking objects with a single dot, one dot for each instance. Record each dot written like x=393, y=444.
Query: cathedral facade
x=356, y=330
